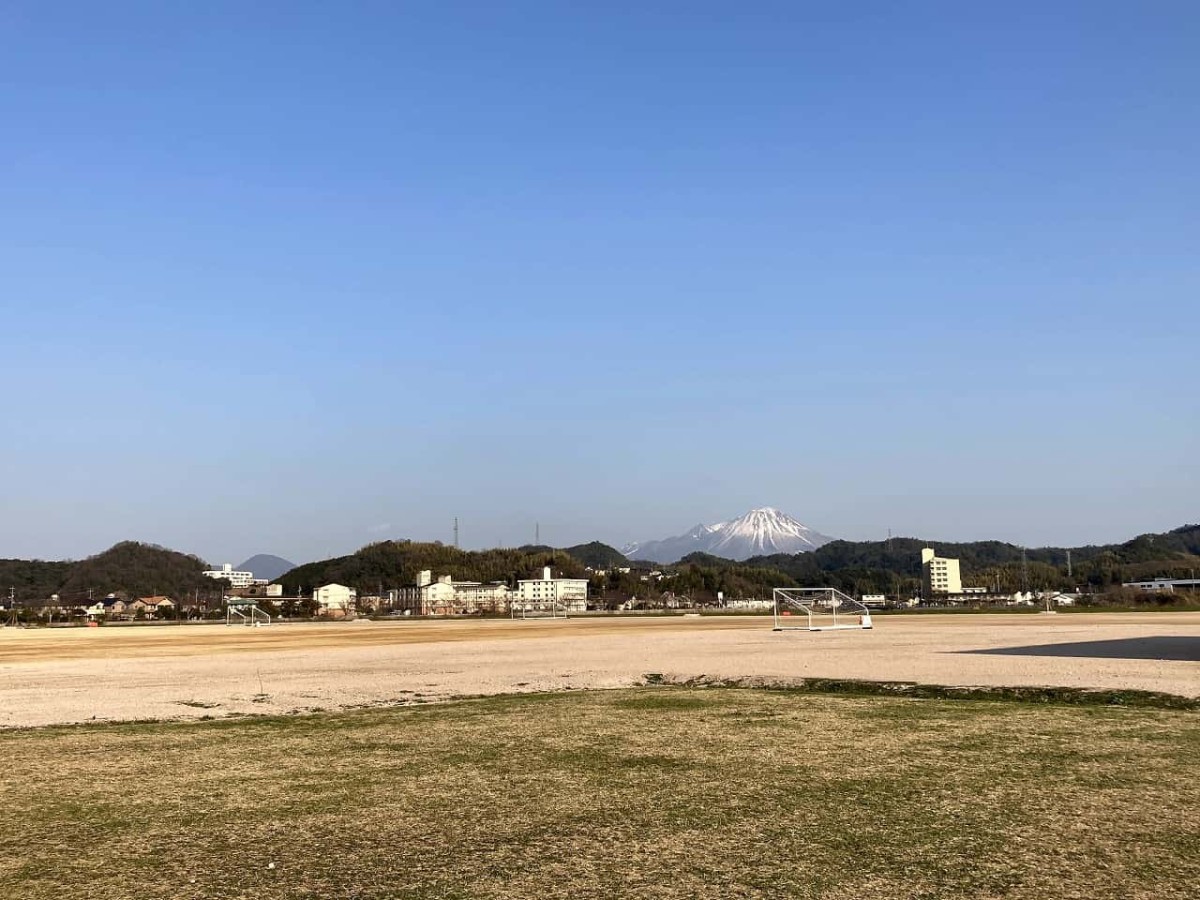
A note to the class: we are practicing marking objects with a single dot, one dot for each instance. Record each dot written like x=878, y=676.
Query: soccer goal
x=538, y=609
x=245, y=612
x=818, y=609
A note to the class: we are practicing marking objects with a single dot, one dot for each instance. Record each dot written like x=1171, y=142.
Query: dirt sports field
x=50, y=676
x=647, y=792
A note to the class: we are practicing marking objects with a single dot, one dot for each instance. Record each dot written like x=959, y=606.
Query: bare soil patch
x=50, y=676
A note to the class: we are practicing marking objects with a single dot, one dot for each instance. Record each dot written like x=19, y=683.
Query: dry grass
x=657, y=792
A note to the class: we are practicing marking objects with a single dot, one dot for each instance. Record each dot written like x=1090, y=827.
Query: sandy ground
x=52, y=676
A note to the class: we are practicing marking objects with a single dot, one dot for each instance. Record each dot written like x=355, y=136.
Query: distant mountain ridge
x=761, y=532
x=857, y=567
x=264, y=565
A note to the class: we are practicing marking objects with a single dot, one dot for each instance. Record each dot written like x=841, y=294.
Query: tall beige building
x=939, y=575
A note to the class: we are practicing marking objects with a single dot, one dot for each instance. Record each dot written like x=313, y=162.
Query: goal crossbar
x=538, y=610
x=822, y=609
x=247, y=614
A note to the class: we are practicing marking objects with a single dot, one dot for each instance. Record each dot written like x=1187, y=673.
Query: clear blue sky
x=289, y=278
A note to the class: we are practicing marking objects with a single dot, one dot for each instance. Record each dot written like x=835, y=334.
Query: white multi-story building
x=235, y=579
x=335, y=599
x=1167, y=585
x=569, y=594
x=939, y=575
x=449, y=597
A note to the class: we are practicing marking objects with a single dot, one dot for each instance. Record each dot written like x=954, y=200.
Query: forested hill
x=390, y=564
x=882, y=564
x=129, y=568
x=136, y=569
x=32, y=579
x=598, y=555
x=1181, y=542
x=594, y=554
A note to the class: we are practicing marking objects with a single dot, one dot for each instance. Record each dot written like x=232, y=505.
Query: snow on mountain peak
x=760, y=532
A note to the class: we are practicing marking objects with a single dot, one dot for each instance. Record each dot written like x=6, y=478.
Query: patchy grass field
x=655, y=792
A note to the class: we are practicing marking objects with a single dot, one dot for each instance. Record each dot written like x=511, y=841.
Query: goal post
x=245, y=613
x=538, y=609
x=818, y=609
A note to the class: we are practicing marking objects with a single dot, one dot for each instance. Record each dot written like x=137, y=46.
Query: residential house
x=153, y=607
x=111, y=607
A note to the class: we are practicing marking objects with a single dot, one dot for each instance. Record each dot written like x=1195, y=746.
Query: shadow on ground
x=1166, y=647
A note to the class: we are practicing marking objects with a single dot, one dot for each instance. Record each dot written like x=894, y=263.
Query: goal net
x=818, y=609
x=245, y=614
x=538, y=609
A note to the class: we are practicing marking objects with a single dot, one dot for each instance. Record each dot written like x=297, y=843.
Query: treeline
x=128, y=569
x=379, y=567
x=30, y=579
x=700, y=577
x=889, y=567
x=390, y=564
x=597, y=555
x=894, y=566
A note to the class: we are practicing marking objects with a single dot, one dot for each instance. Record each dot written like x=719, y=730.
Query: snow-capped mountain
x=758, y=533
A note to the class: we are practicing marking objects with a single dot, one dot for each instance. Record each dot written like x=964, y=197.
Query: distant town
x=620, y=586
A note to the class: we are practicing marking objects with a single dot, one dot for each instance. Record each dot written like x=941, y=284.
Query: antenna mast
x=456, y=532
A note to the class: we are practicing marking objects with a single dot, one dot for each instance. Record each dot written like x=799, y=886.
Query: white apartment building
x=1167, y=585
x=335, y=599
x=569, y=594
x=449, y=597
x=236, y=579
x=939, y=575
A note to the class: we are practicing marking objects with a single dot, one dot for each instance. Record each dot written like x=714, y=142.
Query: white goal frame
x=823, y=608
x=538, y=609
x=248, y=614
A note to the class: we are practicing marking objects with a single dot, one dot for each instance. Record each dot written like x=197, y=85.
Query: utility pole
x=456, y=532
x=1024, y=571
x=537, y=534
x=1069, y=565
